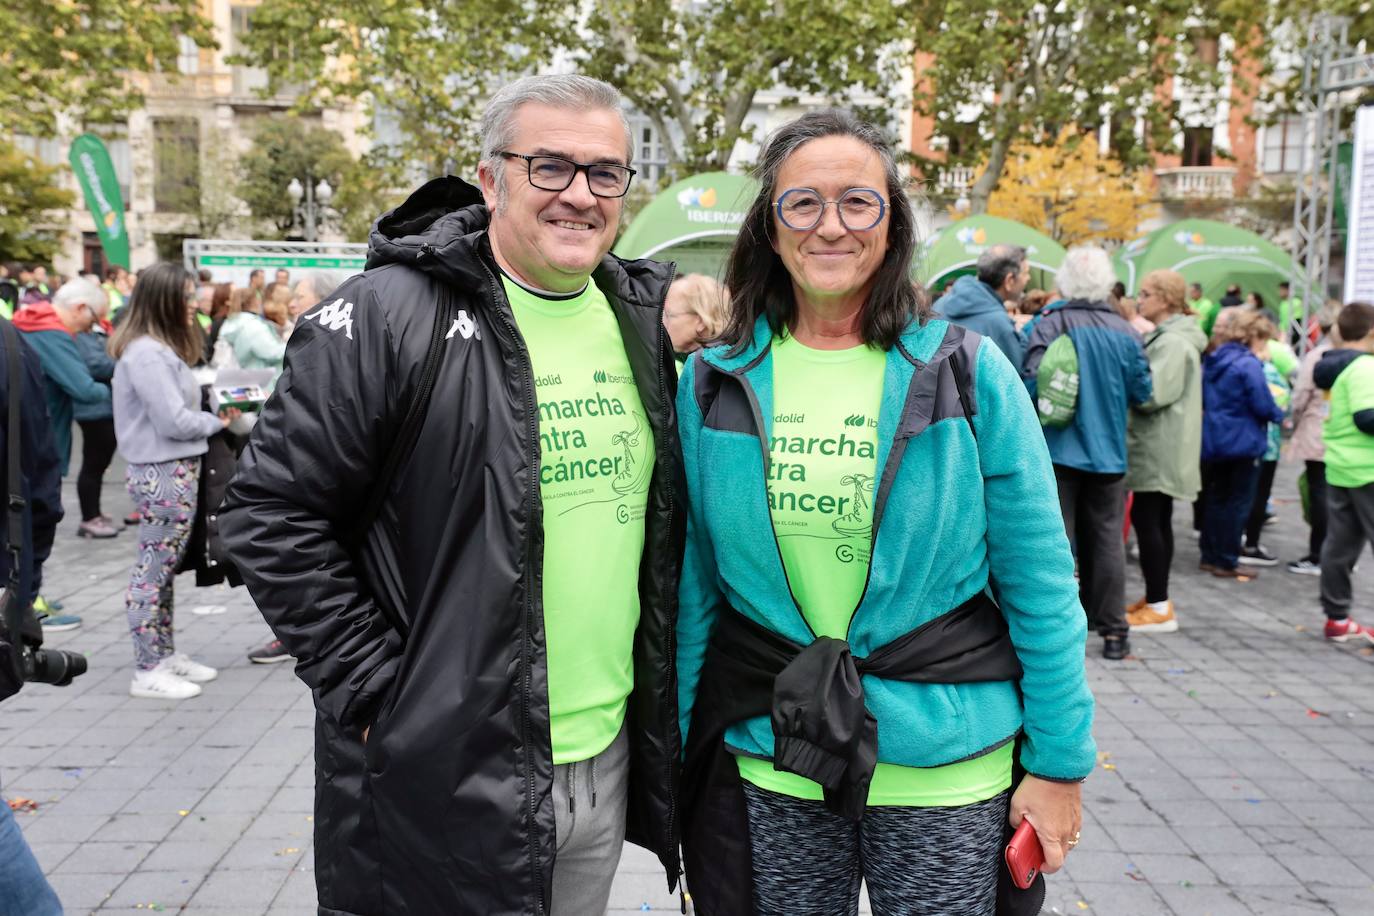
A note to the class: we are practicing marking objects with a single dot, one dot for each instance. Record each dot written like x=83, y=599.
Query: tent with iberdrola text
x=1210, y=253
x=693, y=222
x=953, y=251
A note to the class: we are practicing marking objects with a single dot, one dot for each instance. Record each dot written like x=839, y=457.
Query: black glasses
x=803, y=209
x=554, y=173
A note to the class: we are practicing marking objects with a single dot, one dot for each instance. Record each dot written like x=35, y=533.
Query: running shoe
x=1257, y=556
x=1115, y=647
x=188, y=669
x=1248, y=574
x=269, y=654
x=1348, y=631
x=56, y=623
x=1148, y=620
x=162, y=684
x=1305, y=567
x=96, y=528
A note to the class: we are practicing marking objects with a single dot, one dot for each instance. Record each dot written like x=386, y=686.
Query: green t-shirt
x=1207, y=312
x=1349, y=449
x=596, y=454
x=820, y=492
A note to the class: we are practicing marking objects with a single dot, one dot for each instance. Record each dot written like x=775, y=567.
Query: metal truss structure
x=1330, y=69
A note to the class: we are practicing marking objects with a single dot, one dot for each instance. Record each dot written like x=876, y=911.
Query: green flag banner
x=94, y=170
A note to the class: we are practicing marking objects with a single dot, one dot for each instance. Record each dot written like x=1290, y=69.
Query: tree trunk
x=981, y=189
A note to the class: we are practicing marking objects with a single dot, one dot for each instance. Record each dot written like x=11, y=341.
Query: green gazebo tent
x=1210, y=253
x=953, y=251
x=693, y=222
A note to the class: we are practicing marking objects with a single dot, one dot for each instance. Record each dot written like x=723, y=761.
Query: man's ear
x=487, y=181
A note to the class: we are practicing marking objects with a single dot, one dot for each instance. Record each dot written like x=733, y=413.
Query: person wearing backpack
x=1237, y=407
x=1100, y=371
x=1164, y=442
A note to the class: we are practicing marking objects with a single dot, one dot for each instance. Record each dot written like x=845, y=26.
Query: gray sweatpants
x=1349, y=526
x=589, y=799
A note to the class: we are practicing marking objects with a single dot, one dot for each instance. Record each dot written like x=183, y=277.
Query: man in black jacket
x=491, y=656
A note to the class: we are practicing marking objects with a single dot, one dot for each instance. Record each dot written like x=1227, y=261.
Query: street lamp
x=309, y=215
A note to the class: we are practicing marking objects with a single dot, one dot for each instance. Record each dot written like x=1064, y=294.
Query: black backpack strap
x=961, y=361
x=409, y=431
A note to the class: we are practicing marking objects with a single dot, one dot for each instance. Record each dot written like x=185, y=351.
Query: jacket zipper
x=670, y=636
x=527, y=686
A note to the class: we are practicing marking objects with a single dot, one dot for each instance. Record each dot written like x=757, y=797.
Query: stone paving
x=1234, y=776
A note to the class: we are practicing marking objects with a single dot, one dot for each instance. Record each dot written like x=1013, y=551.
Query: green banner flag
x=91, y=162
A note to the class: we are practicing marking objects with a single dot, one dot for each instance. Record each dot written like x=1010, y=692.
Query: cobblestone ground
x=1234, y=776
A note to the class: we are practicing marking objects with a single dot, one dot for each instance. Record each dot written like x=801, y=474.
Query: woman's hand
x=1055, y=810
x=229, y=415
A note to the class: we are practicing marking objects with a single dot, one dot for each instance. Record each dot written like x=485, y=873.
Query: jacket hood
x=1327, y=370
x=969, y=296
x=441, y=230
x=1184, y=327
x=1225, y=357
x=41, y=316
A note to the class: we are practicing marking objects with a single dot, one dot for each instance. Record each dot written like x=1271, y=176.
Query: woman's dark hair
x=157, y=309
x=756, y=276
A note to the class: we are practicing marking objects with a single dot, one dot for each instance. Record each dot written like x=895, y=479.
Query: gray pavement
x=1234, y=776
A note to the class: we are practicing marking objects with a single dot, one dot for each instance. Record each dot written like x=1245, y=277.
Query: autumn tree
x=1072, y=192
x=28, y=188
x=693, y=69
x=1004, y=72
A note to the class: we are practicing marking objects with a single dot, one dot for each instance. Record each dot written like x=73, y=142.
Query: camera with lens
x=22, y=656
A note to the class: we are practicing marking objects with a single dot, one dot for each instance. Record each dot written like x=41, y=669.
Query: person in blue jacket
x=878, y=622
x=51, y=329
x=1089, y=453
x=979, y=303
x=1237, y=407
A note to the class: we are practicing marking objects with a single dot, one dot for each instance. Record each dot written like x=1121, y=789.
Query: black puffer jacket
x=432, y=631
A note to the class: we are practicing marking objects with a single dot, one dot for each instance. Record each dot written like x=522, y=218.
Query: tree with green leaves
x=287, y=148
x=28, y=188
x=76, y=56
x=1008, y=71
x=693, y=69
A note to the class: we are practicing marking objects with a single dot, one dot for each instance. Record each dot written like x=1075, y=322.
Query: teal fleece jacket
x=962, y=514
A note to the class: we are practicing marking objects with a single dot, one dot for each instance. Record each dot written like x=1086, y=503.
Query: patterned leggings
x=165, y=496
x=808, y=861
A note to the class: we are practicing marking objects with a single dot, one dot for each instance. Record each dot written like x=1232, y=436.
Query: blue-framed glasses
x=803, y=209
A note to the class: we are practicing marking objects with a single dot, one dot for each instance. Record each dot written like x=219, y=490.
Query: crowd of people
x=1175, y=397
x=118, y=390
x=802, y=610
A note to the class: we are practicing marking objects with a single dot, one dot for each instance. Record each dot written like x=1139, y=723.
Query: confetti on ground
x=1253, y=801
x=207, y=610
x=288, y=851
x=1178, y=670
x=1082, y=904
x=1300, y=628
x=183, y=812
x=23, y=804
x=1317, y=714
x=1185, y=883
x=644, y=907
x=73, y=772
x=1271, y=694
x=1193, y=694
x=1135, y=876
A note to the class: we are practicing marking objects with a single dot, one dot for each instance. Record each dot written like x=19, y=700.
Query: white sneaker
x=161, y=684
x=186, y=668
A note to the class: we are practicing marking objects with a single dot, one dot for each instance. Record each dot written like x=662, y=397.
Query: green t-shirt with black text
x=821, y=482
x=1349, y=449
x=596, y=455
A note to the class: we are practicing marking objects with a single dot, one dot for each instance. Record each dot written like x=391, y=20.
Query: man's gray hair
x=562, y=90
x=79, y=290
x=322, y=282
x=999, y=262
x=1086, y=274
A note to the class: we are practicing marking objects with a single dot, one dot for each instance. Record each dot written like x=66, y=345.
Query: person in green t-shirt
x=1290, y=309
x=867, y=485
x=1346, y=375
x=1205, y=308
x=462, y=512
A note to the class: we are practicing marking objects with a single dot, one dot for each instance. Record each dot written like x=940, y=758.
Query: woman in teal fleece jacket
x=856, y=471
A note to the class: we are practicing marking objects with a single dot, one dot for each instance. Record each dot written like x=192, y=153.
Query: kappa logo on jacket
x=465, y=326
x=335, y=316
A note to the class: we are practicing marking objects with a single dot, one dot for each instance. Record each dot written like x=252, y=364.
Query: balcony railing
x=1196, y=182
x=956, y=180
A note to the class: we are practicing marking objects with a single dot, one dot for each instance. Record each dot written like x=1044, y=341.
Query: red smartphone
x=1025, y=858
